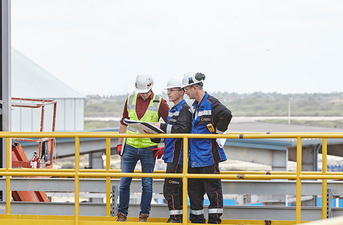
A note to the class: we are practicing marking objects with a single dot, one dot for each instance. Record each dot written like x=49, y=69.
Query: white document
x=123, y=147
x=143, y=127
x=221, y=141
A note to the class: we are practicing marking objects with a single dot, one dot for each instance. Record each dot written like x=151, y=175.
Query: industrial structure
x=29, y=80
x=291, y=196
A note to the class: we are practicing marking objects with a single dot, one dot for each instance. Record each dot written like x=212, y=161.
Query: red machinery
x=45, y=146
x=19, y=159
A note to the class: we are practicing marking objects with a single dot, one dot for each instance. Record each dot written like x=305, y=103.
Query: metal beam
x=5, y=92
x=161, y=211
x=277, y=159
x=273, y=187
x=65, y=147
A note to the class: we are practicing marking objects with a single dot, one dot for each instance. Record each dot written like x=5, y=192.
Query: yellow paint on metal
x=8, y=180
x=108, y=179
x=107, y=173
x=185, y=181
x=298, y=185
x=87, y=220
x=77, y=181
x=331, y=221
x=324, y=181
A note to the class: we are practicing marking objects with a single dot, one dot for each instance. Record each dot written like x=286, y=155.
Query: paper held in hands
x=143, y=127
x=221, y=141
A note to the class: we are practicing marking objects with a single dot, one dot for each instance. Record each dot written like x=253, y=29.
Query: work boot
x=121, y=217
x=143, y=217
x=174, y=219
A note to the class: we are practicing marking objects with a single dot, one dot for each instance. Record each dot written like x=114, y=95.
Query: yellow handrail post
x=324, y=181
x=8, y=178
x=77, y=181
x=185, y=181
x=108, y=179
x=298, y=185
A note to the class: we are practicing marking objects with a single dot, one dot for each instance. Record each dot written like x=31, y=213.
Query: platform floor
x=70, y=220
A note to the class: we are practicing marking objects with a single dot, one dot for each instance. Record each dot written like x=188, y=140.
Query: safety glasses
x=173, y=89
x=187, y=88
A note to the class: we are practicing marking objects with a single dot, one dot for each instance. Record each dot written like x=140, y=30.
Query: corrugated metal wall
x=70, y=114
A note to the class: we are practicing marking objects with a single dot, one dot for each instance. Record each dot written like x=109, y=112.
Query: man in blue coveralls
x=209, y=116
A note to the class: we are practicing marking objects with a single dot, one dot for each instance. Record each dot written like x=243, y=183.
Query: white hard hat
x=144, y=83
x=174, y=82
x=192, y=78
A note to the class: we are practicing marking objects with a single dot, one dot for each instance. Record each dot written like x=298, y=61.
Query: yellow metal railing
x=107, y=173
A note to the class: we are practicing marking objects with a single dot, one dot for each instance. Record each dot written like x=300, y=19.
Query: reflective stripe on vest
x=151, y=115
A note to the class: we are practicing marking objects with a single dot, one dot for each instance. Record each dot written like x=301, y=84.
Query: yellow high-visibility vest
x=151, y=115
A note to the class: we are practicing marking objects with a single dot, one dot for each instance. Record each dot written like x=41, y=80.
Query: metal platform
x=98, y=186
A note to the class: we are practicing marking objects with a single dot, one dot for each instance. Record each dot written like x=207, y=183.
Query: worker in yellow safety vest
x=143, y=106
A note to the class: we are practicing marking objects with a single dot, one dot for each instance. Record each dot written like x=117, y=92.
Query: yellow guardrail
x=107, y=173
x=332, y=221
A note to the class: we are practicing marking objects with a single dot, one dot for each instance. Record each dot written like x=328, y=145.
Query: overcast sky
x=244, y=46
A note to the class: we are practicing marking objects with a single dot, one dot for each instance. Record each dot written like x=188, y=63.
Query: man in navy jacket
x=179, y=121
x=209, y=116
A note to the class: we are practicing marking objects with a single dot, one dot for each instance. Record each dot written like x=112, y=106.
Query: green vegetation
x=97, y=106
x=254, y=104
x=275, y=104
x=90, y=125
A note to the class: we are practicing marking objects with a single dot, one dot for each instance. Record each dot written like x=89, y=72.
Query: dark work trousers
x=196, y=191
x=172, y=191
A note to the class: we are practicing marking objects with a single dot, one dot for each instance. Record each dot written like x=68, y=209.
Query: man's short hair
x=199, y=85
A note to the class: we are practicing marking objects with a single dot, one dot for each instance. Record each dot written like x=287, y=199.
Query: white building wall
x=16, y=119
x=26, y=119
x=69, y=116
x=79, y=114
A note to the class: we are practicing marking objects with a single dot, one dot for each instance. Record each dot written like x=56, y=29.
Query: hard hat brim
x=191, y=84
x=186, y=85
x=166, y=88
x=140, y=91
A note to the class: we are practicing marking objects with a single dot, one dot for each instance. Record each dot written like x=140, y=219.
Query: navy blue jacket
x=202, y=151
x=179, y=121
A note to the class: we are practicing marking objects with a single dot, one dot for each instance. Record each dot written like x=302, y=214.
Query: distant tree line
x=276, y=104
x=252, y=104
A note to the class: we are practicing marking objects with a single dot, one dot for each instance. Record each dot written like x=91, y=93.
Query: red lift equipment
x=45, y=146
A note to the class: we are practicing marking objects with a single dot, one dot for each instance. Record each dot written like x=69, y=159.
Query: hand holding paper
x=143, y=127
